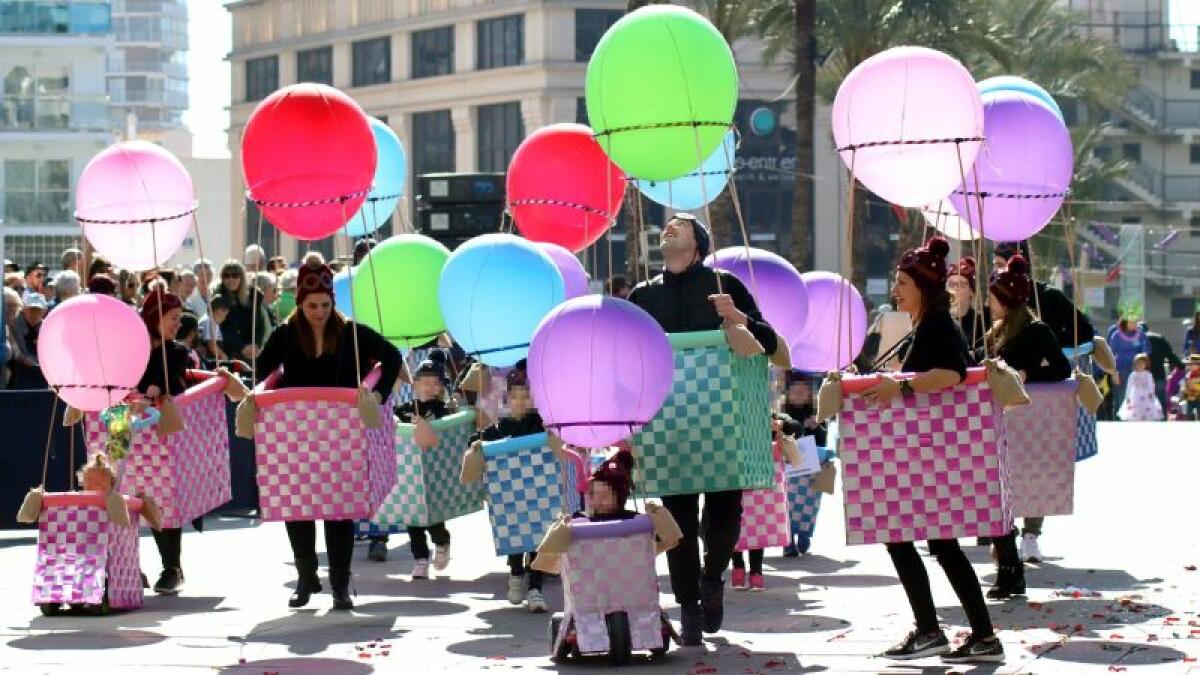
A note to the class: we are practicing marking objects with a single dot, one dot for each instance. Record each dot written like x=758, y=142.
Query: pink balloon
x=135, y=204
x=93, y=349
x=822, y=346
x=575, y=278
x=890, y=103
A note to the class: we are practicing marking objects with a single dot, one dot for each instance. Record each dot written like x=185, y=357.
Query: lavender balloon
x=1023, y=171
x=599, y=369
x=575, y=279
x=823, y=347
x=776, y=286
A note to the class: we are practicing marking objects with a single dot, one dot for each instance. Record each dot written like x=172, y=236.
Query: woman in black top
x=316, y=348
x=246, y=325
x=1030, y=348
x=937, y=353
x=960, y=282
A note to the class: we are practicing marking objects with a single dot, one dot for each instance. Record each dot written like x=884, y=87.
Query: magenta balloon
x=776, y=286
x=890, y=103
x=821, y=345
x=575, y=279
x=599, y=369
x=93, y=349
x=1023, y=172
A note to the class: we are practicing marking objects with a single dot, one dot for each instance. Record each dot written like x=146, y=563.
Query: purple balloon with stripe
x=776, y=285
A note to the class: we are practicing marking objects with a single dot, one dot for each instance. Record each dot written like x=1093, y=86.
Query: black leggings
x=722, y=524
x=169, y=541
x=915, y=580
x=519, y=565
x=420, y=546
x=756, y=559
x=339, y=542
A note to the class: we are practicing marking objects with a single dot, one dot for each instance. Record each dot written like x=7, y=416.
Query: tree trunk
x=806, y=96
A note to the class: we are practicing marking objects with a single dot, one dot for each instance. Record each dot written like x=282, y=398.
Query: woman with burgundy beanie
x=960, y=282
x=936, y=352
x=162, y=312
x=316, y=347
x=1030, y=348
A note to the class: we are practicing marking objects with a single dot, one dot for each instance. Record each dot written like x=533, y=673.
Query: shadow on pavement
x=300, y=665
x=1080, y=616
x=1049, y=575
x=157, y=610
x=81, y=640
x=307, y=632
x=1107, y=653
x=811, y=563
x=849, y=580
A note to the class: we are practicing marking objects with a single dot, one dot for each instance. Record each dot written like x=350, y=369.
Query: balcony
x=1143, y=33
x=1160, y=115
x=119, y=63
x=54, y=113
x=1157, y=189
x=55, y=18
x=126, y=97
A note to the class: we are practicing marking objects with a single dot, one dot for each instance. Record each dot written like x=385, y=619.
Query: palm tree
x=631, y=208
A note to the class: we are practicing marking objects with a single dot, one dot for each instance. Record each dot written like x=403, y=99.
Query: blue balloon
x=690, y=192
x=494, y=291
x=341, y=292
x=1013, y=83
x=391, y=170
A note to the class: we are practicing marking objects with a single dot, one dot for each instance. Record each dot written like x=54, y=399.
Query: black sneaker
x=987, y=650
x=918, y=646
x=169, y=582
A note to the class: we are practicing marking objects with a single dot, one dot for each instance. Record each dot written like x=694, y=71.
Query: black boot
x=712, y=603
x=307, y=582
x=339, y=585
x=1010, y=581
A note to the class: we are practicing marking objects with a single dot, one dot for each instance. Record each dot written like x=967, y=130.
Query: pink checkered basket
x=1041, y=440
x=187, y=473
x=929, y=467
x=83, y=558
x=316, y=460
x=765, y=516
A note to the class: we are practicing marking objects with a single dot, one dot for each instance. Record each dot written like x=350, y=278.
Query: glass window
x=500, y=130
x=1132, y=151
x=37, y=191
x=262, y=77
x=500, y=42
x=433, y=52
x=581, y=110
x=372, y=62
x=1194, y=151
x=433, y=142
x=1196, y=79
x=315, y=65
x=590, y=25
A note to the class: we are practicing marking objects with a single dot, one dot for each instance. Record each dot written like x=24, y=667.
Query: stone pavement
x=1118, y=594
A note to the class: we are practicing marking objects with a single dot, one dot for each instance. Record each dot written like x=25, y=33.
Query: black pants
x=420, y=546
x=518, y=565
x=915, y=580
x=722, y=523
x=170, y=545
x=1007, y=554
x=756, y=559
x=339, y=543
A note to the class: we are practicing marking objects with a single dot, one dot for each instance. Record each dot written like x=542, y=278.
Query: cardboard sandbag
x=31, y=507
x=245, y=418
x=826, y=478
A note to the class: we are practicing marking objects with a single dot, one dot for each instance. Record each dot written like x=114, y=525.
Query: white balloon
x=944, y=218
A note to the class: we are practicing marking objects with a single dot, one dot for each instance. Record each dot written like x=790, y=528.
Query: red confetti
x=1190, y=568
x=497, y=658
x=774, y=663
x=384, y=653
x=1117, y=636
x=702, y=669
x=1116, y=669
x=364, y=655
x=1035, y=605
x=1189, y=659
x=1152, y=638
x=1098, y=615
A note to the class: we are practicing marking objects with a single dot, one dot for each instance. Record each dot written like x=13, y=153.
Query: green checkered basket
x=714, y=430
x=427, y=489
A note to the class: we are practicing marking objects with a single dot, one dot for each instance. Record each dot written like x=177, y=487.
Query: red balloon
x=562, y=188
x=308, y=156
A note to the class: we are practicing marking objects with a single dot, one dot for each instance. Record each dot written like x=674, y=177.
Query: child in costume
x=1190, y=392
x=800, y=408
x=738, y=579
x=1141, y=404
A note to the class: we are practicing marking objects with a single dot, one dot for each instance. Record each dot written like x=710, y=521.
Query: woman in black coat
x=246, y=325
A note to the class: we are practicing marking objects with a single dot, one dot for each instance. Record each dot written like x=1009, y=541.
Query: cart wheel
x=619, y=643
x=559, y=651
x=668, y=632
x=52, y=609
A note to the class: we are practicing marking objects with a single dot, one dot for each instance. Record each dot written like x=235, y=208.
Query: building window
x=37, y=191
x=315, y=65
x=581, y=116
x=432, y=142
x=270, y=236
x=433, y=52
x=74, y=18
x=500, y=130
x=1131, y=151
x=372, y=62
x=590, y=25
x=262, y=77
x=500, y=42
x=39, y=97
x=1196, y=79
x=1194, y=151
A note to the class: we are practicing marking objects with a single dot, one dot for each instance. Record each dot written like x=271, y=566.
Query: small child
x=429, y=388
x=609, y=488
x=1141, y=404
x=189, y=337
x=1190, y=392
x=802, y=411
x=211, y=344
x=756, y=582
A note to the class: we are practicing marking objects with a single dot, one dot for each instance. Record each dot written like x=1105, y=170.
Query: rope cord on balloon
x=340, y=199
x=494, y=350
x=71, y=463
x=350, y=277
x=562, y=202
x=134, y=221
x=916, y=141
x=737, y=210
x=601, y=423
x=1069, y=235
x=642, y=265
x=159, y=289
x=707, y=209
x=212, y=342
x=1037, y=300
x=695, y=124
x=383, y=198
x=1010, y=195
x=105, y=387
x=982, y=264
x=254, y=311
x=843, y=263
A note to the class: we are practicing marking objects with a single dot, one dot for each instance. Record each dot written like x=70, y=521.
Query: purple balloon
x=819, y=348
x=575, y=279
x=1023, y=171
x=776, y=286
x=599, y=369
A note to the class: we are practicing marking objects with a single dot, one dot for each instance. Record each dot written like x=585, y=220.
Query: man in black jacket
x=688, y=297
x=1161, y=353
x=1053, y=306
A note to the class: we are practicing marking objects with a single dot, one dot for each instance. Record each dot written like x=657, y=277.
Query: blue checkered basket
x=1086, y=446
x=525, y=490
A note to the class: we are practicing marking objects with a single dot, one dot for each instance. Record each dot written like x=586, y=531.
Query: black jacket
x=975, y=326
x=177, y=365
x=937, y=342
x=1160, y=351
x=1057, y=311
x=1036, y=351
x=679, y=302
x=794, y=422
x=430, y=410
x=508, y=427
x=330, y=370
x=238, y=329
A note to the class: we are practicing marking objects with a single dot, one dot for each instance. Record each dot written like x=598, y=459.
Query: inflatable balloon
x=599, y=369
x=777, y=287
x=701, y=186
x=391, y=171
x=1023, y=172
x=575, y=278
x=661, y=88
x=396, y=289
x=945, y=219
x=342, y=290
x=562, y=188
x=493, y=292
x=823, y=347
x=93, y=350
x=1014, y=83
x=308, y=157
x=909, y=121
x=135, y=204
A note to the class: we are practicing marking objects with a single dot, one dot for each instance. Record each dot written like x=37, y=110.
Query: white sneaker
x=441, y=557
x=1029, y=549
x=421, y=570
x=516, y=589
x=535, y=601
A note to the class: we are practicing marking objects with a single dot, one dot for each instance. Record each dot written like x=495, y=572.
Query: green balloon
x=653, y=75
x=395, y=289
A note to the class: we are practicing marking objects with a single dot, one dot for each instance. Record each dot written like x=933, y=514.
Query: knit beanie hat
x=927, y=264
x=1011, y=285
x=157, y=303
x=434, y=365
x=617, y=472
x=102, y=284
x=964, y=268
x=314, y=279
x=518, y=376
x=699, y=233
x=1007, y=249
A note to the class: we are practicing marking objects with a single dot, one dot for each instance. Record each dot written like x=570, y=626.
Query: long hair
x=1004, y=330
x=242, y=297
x=933, y=300
x=304, y=332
